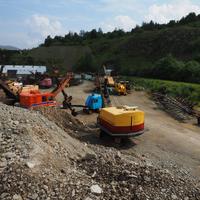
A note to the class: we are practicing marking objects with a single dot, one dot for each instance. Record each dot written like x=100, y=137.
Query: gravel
x=39, y=160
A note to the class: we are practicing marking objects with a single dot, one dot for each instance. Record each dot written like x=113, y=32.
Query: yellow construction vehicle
x=120, y=89
x=110, y=81
x=124, y=121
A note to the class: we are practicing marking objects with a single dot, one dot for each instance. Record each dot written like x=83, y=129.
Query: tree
x=87, y=63
x=93, y=34
x=168, y=68
x=191, y=72
x=82, y=33
x=48, y=41
x=191, y=17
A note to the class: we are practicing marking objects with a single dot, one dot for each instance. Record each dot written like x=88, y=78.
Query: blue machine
x=94, y=102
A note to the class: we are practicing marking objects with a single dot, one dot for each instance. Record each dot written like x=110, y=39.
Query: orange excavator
x=30, y=96
x=35, y=98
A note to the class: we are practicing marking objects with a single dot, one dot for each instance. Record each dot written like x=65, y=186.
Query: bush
x=188, y=91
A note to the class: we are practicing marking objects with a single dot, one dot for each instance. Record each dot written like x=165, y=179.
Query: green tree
x=48, y=41
x=191, y=72
x=167, y=68
x=87, y=63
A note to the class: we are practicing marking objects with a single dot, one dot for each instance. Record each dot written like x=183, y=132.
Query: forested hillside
x=165, y=51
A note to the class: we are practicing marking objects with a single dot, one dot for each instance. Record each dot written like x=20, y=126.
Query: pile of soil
x=66, y=121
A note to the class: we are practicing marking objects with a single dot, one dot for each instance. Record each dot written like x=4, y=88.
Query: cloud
x=121, y=22
x=44, y=26
x=171, y=11
x=39, y=27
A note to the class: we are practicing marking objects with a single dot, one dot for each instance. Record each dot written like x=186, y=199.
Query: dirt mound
x=33, y=147
x=65, y=120
x=40, y=161
x=120, y=178
x=2, y=95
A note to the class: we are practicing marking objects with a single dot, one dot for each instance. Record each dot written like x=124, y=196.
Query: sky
x=26, y=23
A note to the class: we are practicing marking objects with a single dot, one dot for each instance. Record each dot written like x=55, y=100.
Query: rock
x=4, y=195
x=146, y=178
x=17, y=197
x=9, y=155
x=90, y=156
x=88, y=198
x=73, y=193
x=95, y=189
x=46, y=187
x=94, y=174
x=174, y=197
x=34, y=196
x=3, y=163
x=15, y=123
x=31, y=164
x=119, y=154
x=132, y=176
x=163, y=190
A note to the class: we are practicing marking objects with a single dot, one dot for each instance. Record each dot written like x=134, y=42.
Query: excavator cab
x=94, y=102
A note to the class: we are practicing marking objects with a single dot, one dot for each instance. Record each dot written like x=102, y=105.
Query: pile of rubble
x=119, y=177
x=35, y=153
x=64, y=119
x=2, y=95
x=39, y=160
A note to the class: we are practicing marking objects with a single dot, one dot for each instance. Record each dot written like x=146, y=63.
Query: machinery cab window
x=50, y=98
x=44, y=98
x=95, y=100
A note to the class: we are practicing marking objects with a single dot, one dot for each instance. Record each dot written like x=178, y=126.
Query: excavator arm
x=61, y=85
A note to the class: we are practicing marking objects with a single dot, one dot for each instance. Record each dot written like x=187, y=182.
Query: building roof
x=24, y=69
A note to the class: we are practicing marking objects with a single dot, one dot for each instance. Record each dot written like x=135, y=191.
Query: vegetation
x=164, y=51
x=176, y=89
x=169, y=68
x=86, y=60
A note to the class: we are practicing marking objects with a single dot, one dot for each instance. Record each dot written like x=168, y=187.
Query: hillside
x=7, y=47
x=165, y=51
x=61, y=56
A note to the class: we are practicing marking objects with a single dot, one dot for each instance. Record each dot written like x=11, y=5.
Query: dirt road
x=166, y=142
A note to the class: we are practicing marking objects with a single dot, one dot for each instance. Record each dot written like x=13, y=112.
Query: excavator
x=35, y=98
x=30, y=96
x=116, y=88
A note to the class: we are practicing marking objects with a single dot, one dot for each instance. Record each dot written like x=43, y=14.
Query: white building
x=23, y=69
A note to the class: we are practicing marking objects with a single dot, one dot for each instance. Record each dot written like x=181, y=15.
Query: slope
x=63, y=56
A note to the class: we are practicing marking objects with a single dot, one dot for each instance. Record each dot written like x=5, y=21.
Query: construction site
x=95, y=138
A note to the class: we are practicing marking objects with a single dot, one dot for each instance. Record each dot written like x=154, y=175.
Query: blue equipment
x=94, y=102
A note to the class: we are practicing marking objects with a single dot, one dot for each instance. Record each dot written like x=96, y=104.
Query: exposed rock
x=17, y=197
x=96, y=189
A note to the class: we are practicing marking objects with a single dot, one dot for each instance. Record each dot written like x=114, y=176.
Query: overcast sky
x=26, y=23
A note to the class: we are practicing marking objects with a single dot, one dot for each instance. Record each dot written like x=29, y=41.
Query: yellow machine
x=124, y=121
x=110, y=81
x=120, y=89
